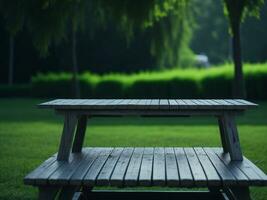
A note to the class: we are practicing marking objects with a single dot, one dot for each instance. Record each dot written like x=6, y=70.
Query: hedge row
x=193, y=83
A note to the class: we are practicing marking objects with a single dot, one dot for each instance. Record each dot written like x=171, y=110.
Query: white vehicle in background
x=202, y=61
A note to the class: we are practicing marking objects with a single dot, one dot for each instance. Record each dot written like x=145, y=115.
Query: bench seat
x=128, y=166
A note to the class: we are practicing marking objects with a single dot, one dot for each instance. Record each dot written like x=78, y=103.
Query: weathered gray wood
x=121, y=167
x=90, y=177
x=225, y=158
x=226, y=176
x=42, y=178
x=66, y=137
x=186, y=178
x=77, y=177
x=159, y=173
x=65, y=171
x=173, y=104
x=105, y=173
x=80, y=134
x=222, y=134
x=47, y=192
x=196, y=168
x=172, y=172
x=31, y=177
x=231, y=137
x=211, y=104
x=210, y=172
x=164, y=104
x=146, y=167
x=132, y=173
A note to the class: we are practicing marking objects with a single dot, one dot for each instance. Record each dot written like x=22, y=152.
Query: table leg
x=47, y=192
x=80, y=133
x=222, y=134
x=238, y=193
x=231, y=137
x=67, y=192
x=67, y=137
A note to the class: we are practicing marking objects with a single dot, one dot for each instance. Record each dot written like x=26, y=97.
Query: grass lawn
x=29, y=135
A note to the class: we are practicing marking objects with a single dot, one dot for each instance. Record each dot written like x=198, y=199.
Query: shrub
x=215, y=82
x=109, y=89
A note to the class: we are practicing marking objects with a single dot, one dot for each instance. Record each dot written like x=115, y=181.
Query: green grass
x=28, y=136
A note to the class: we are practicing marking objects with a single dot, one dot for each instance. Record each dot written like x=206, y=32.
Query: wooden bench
x=224, y=171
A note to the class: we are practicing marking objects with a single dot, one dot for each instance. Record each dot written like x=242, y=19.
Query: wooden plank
x=186, y=178
x=225, y=158
x=210, y=172
x=173, y=104
x=164, y=104
x=172, y=174
x=121, y=167
x=80, y=134
x=154, y=104
x=190, y=104
x=145, y=176
x=77, y=177
x=90, y=177
x=253, y=177
x=66, y=137
x=132, y=173
x=30, y=178
x=42, y=178
x=63, y=173
x=226, y=176
x=105, y=173
x=246, y=102
x=181, y=104
x=159, y=173
x=196, y=168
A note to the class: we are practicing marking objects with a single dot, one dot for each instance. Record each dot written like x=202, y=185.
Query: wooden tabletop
x=151, y=104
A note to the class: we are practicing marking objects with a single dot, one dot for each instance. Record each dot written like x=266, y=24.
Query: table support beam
x=237, y=193
x=231, y=137
x=222, y=134
x=80, y=134
x=67, y=137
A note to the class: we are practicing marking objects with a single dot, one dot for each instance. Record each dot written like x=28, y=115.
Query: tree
x=236, y=11
x=13, y=13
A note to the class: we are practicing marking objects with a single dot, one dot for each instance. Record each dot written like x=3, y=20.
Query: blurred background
x=78, y=50
x=127, y=49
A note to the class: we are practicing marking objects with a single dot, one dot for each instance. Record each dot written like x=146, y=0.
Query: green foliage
x=238, y=10
x=215, y=82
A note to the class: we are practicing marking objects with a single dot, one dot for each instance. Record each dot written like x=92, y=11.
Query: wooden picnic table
x=224, y=171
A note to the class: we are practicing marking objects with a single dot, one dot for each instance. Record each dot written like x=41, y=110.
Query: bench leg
x=67, y=192
x=86, y=191
x=238, y=193
x=231, y=137
x=80, y=133
x=67, y=137
x=47, y=192
x=222, y=134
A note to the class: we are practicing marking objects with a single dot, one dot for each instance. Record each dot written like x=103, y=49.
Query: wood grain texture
x=172, y=167
x=158, y=104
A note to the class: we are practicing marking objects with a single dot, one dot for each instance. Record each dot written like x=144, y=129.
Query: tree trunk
x=239, y=83
x=76, y=85
x=11, y=60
